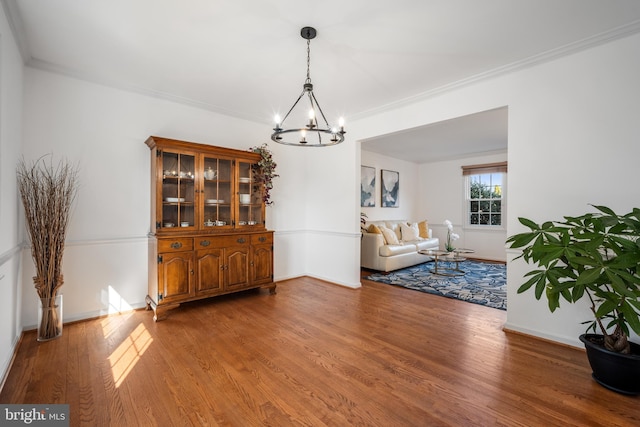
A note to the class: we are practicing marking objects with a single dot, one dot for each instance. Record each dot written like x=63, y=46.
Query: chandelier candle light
x=311, y=134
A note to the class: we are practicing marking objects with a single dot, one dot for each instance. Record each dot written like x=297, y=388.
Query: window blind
x=485, y=168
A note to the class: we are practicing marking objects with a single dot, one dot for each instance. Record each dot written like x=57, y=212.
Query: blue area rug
x=484, y=283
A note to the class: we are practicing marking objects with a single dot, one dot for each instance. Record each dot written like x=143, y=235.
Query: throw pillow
x=389, y=236
x=410, y=232
x=378, y=230
x=374, y=229
x=395, y=227
x=423, y=228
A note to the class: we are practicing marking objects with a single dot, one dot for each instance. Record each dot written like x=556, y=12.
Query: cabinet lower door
x=261, y=264
x=175, y=273
x=237, y=267
x=210, y=269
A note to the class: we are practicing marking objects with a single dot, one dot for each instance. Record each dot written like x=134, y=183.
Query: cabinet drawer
x=175, y=245
x=259, y=239
x=221, y=241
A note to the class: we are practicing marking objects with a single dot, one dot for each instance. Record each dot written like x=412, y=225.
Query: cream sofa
x=386, y=253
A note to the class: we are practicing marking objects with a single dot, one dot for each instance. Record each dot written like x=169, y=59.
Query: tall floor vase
x=49, y=318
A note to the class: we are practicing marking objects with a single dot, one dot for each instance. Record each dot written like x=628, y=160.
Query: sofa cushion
x=391, y=250
x=390, y=236
x=409, y=232
x=426, y=244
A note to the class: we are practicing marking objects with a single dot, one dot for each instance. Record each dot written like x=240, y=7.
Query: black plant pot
x=615, y=371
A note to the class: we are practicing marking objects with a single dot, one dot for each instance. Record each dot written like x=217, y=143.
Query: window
x=484, y=193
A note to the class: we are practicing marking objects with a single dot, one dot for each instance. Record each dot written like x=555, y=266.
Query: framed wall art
x=390, y=189
x=367, y=186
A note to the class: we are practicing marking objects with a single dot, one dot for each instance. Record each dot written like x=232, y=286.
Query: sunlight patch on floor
x=125, y=357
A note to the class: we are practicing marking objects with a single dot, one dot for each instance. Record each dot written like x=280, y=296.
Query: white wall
x=103, y=130
x=574, y=143
x=410, y=195
x=331, y=217
x=10, y=237
x=573, y=140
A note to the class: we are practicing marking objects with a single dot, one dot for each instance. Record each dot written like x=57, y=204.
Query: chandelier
x=314, y=133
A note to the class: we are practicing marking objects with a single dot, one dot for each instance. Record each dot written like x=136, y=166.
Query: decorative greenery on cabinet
x=264, y=172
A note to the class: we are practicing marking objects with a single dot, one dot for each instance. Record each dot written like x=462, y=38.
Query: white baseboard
x=575, y=342
x=7, y=364
x=324, y=279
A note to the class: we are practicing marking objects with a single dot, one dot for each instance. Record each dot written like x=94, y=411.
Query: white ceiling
x=480, y=133
x=245, y=58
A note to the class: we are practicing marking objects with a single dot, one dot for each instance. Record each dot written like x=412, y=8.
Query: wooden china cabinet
x=208, y=234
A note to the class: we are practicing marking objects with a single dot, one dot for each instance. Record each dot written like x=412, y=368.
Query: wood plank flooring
x=314, y=354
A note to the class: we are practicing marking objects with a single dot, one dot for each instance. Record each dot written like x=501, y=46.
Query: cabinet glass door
x=217, y=182
x=178, y=190
x=250, y=210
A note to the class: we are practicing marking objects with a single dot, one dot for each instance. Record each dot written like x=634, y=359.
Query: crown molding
x=114, y=84
x=547, y=56
x=17, y=28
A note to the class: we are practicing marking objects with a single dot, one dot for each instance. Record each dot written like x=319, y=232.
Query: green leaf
x=551, y=254
x=554, y=300
x=577, y=292
x=541, y=285
x=520, y=240
x=605, y=210
x=635, y=303
x=588, y=276
x=631, y=317
x=528, y=223
x=524, y=287
x=566, y=294
x=605, y=308
x=619, y=285
x=580, y=260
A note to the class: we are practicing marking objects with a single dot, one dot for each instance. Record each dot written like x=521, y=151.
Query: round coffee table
x=449, y=256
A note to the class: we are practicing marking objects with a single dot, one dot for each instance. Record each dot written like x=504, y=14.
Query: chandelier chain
x=308, y=60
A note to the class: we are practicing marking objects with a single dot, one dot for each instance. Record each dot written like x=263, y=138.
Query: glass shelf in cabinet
x=175, y=202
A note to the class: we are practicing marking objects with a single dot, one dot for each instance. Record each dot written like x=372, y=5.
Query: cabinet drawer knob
x=176, y=245
x=262, y=239
x=241, y=240
x=205, y=243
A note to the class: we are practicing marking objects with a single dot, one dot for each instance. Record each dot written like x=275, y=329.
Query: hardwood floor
x=314, y=354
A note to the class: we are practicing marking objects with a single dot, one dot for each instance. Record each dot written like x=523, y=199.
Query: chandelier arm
x=320, y=109
x=292, y=107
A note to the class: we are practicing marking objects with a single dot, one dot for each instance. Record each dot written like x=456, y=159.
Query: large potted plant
x=594, y=256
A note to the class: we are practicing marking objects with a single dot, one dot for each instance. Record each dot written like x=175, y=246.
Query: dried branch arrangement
x=47, y=193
